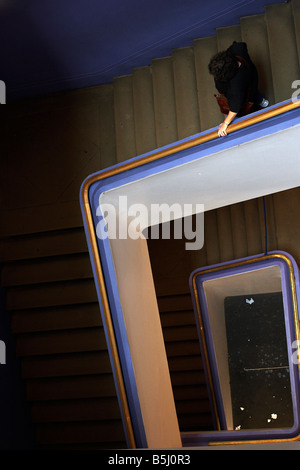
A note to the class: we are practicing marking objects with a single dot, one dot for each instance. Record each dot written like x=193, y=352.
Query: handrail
x=236, y=126
x=128, y=165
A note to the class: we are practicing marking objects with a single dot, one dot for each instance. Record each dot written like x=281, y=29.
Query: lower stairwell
x=46, y=271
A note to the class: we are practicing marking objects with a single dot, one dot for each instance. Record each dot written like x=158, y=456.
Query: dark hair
x=223, y=66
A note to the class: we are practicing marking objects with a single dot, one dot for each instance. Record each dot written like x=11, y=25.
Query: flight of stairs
x=46, y=270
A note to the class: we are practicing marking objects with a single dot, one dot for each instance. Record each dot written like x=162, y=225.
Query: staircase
x=46, y=270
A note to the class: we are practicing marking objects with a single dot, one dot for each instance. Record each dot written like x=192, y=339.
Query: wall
x=16, y=431
x=48, y=146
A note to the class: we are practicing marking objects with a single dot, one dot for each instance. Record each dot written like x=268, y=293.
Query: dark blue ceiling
x=54, y=45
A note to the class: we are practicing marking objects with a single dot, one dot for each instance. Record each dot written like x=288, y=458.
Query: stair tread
x=254, y=33
x=283, y=48
x=186, y=97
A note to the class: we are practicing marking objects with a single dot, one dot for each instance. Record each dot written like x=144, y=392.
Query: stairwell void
x=205, y=173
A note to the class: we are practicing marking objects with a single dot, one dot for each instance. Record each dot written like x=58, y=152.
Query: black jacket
x=236, y=90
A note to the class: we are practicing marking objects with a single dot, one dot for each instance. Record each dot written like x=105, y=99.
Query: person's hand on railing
x=222, y=131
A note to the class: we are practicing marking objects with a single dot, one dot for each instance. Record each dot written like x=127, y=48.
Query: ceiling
x=54, y=45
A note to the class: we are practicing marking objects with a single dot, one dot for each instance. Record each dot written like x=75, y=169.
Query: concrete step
x=50, y=295
x=40, y=271
x=254, y=33
x=210, y=115
x=124, y=118
x=283, y=49
x=61, y=342
x=164, y=101
x=226, y=36
x=107, y=127
x=143, y=105
x=186, y=94
x=66, y=317
x=296, y=15
x=43, y=245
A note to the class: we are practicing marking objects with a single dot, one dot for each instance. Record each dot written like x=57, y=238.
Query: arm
x=222, y=131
